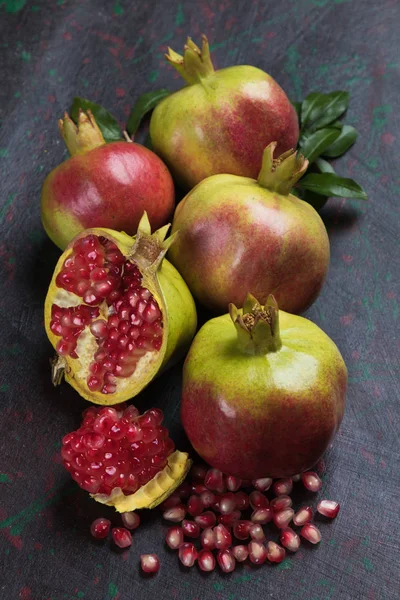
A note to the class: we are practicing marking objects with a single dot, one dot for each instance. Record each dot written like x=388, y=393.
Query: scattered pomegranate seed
x=122, y=537
x=311, y=533
x=187, y=554
x=229, y=520
x=206, y=560
x=289, y=539
x=174, y=537
x=257, y=533
x=206, y=519
x=275, y=553
x=190, y=529
x=198, y=473
x=195, y=506
x=232, y=483
x=241, y=529
x=240, y=552
x=100, y=528
x=175, y=514
x=131, y=520
x=242, y=500
x=198, y=488
x=207, y=539
x=184, y=490
x=328, y=508
x=207, y=498
x=257, y=552
x=311, y=481
x=303, y=515
x=214, y=480
x=280, y=503
x=262, y=485
x=226, y=561
x=170, y=502
x=261, y=516
x=283, y=517
x=223, y=538
x=282, y=486
x=149, y=563
x=227, y=503
x=258, y=500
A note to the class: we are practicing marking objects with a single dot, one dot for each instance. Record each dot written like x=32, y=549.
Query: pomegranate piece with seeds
x=122, y=537
x=311, y=481
x=206, y=560
x=187, y=554
x=328, y=508
x=311, y=533
x=149, y=563
x=100, y=528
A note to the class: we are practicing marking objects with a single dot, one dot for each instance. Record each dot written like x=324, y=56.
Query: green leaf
x=107, y=123
x=297, y=108
x=324, y=166
x=319, y=110
x=330, y=184
x=314, y=145
x=143, y=105
x=347, y=137
x=310, y=106
x=316, y=200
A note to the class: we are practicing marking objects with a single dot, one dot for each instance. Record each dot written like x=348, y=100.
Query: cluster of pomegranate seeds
x=117, y=448
x=217, y=503
x=98, y=272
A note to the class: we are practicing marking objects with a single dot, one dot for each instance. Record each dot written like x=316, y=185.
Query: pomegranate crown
x=195, y=64
x=280, y=174
x=149, y=248
x=257, y=326
x=83, y=136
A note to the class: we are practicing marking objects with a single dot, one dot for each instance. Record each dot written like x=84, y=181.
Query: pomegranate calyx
x=257, y=326
x=155, y=491
x=195, y=65
x=83, y=136
x=150, y=249
x=280, y=174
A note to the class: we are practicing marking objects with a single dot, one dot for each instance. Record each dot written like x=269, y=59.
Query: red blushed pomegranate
x=263, y=394
x=221, y=121
x=103, y=185
x=116, y=312
x=239, y=235
x=123, y=459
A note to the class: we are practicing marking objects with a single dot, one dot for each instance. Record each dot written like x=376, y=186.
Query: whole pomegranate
x=117, y=312
x=222, y=120
x=264, y=396
x=237, y=235
x=103, y=185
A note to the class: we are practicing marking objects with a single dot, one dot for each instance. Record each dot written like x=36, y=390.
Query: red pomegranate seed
x=258, y=500
x=206, y=519
x=206, y=560
x=289, y=539
x=131, y=520
x=195, y=506
x=223, y=538
x=198, y=473
x=174, y=537
x=149, y=563
x=229, y=520
x=100, y=528
x=257, y=552
x=207, y=539
x=190, y=528
x=261, y=516
x=241, y=529
x=122, y=537
x=262, y=485
x=227, y=503
x=187, y=554
x=303, y=515
x=170, y=502
x=214, y=480
x=275, y=553
x=207, y=498
x=175, y=514
x=257, y=532
x=242, y=500
x=283, y=517
x=240, y=553
x=311, y=533
x=198, y=488
x=328, y=508
x=280, y=503
x=282, y=486
x=226, y=561
x=232, y=483
x=311, y=481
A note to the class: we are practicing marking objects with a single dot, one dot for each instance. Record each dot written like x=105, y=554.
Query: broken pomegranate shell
x=117, y=313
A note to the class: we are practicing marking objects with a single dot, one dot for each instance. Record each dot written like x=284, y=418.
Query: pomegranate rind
x=169, y=290
x=155, y=491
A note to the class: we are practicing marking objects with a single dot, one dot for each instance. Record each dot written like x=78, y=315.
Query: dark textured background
x=111, y=52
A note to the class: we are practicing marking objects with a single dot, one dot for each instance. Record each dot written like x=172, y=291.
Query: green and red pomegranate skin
x=239, y=235
x=264, y=395
x=221, y=121
x=103, y=185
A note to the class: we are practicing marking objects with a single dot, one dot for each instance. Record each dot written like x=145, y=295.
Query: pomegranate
x=238, y=235
x=116, y=312
x=103, y=185
x=263, y=396
x=124, y=459
x=222, y=120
